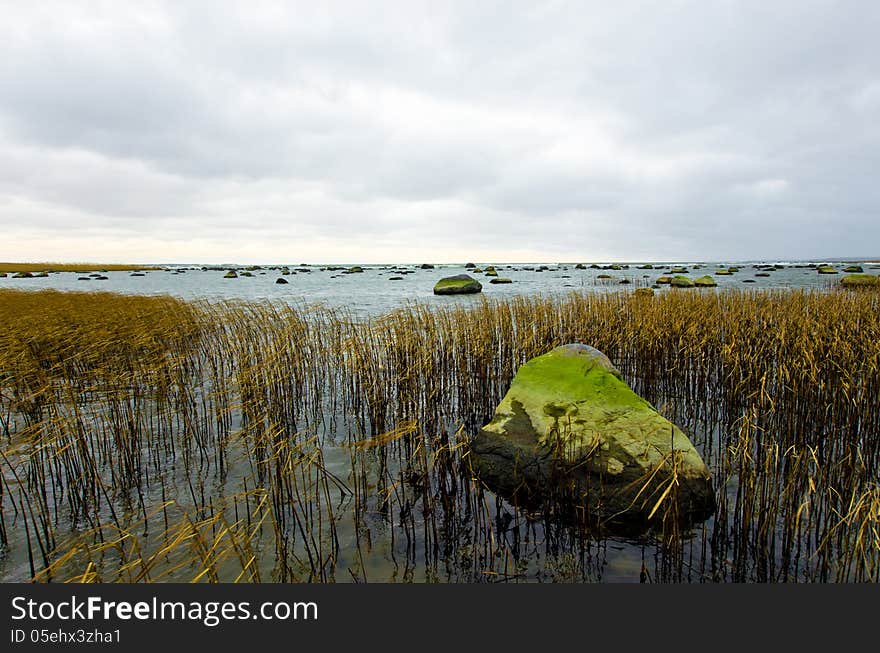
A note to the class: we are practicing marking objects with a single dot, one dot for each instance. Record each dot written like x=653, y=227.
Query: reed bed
x=150, y=439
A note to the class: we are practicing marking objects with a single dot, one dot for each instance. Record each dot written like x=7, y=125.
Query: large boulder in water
x=570, y=426
x=460, y=284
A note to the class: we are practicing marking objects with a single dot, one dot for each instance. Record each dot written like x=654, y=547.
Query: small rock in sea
x=460, y=284
x=705, y=282
x=500, y=280
x=680, y=281
x=860, y=281
x=280, y=280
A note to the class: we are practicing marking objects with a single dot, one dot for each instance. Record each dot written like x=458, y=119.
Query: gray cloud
x=551, y=130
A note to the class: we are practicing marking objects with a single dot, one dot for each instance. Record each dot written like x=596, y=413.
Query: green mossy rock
x=853, y=269
x=663, y=280
x=705, y=282
x=491, y=273
x=460, y=284
x=571, y=427
x=501, y=280
x=477, y=270
x=230, y=275
x=679, y=281
x=647, y=266
x=826, y=269
x=860, y=281
x=357, y=269
x=723, y=273
x=679, y=271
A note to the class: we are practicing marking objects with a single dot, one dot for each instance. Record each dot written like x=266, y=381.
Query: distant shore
x=73, y=267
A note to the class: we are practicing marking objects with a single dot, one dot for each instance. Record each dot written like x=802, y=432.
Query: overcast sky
x=407, y=131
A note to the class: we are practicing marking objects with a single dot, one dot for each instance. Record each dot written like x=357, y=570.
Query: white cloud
x=418, y=131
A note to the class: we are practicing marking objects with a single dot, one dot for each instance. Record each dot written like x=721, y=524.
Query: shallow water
x=409, y=542
x=372, y=293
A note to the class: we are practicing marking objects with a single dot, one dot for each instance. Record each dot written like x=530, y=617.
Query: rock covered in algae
x=705, y=282
x=570, y=424
x=460, y=284
x=860, y=281
x=680, y=281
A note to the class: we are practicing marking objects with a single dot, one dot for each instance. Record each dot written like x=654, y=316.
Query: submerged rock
x=501, y=280
x=571, y=427
x=460, y=284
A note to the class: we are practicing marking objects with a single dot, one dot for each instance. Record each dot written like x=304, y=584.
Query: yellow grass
x=112, y=407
